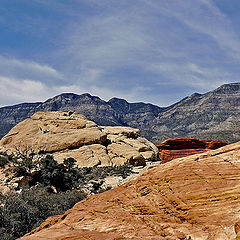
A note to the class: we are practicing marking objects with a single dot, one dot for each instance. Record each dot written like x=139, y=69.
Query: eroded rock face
x=190, y=143
x=196, y=197
x=68, y=134
x=182, y=147
x=169, y=155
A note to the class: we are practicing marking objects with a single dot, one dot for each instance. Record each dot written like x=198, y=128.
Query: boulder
x=52, y=132
x=182, y=147
x=68, y=134
x=122, y=131
x=125, y=151
x=88, y=155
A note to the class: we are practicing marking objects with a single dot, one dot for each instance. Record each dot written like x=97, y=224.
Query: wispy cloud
x=191, y=75
x=12, y=67
x=204, y=17
x=21, y=90
x=27, y=66
x=24, y=80
x=154, y=51
x=157, y=41
x=26, y=90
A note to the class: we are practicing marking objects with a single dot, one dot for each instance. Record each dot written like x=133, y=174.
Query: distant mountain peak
x=119, y=104
x=229, y=88
x=119, y=100
x=68, y=95
x=75, y=97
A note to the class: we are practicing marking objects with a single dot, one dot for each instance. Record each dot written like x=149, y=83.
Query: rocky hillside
x=116, y=112
x=71, y=135
x=214, y=115
x=196, y=197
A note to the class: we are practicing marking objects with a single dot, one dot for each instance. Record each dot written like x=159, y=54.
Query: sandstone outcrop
x=196, y=197
x=182, y=147
x=68, y=134
x=169, y=155
x=190, y=143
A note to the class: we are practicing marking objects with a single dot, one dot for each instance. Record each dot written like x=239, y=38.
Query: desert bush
x=62, y=176
x=67, y=175
x=3, y=160
x=21, y=213
x=95, y=173
x=23, y=161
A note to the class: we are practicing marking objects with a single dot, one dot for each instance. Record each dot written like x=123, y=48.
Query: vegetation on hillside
x=52, y=189
x=22, y=212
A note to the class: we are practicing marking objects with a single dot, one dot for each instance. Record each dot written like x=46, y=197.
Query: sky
x=153, y=51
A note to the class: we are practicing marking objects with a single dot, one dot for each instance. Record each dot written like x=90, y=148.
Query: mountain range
x=213, y=115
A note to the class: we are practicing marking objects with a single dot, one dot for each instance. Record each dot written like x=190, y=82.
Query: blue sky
x=156, y=51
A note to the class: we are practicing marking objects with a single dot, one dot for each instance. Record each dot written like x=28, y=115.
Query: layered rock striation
x=182, y=147
x=196, y=197
x=68, y=134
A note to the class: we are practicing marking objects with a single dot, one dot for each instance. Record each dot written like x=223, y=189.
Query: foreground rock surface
x=196, y=197
x=182, y=147
x=68, y=134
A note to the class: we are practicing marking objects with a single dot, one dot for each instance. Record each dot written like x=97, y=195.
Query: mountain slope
x=214, y=115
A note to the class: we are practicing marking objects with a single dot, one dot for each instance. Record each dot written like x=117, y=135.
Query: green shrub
x=69, y=163
x=53, y=174
x=21, y=213
x=3, y=160
x=65, y=176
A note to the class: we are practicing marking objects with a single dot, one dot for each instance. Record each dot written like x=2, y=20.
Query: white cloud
x=22, y=90
x=13, y=67
x=133, y=50
x=26, y=81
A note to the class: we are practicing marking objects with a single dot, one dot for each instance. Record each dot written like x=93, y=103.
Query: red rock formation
x=194, y=198
x=189, y=143
x=182, y=147
x=214, y=144
x=168, y=155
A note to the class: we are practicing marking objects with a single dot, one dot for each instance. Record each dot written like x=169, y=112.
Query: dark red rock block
x=182, y=147
x=168, y=155
x=215, y=144
x=189, y=143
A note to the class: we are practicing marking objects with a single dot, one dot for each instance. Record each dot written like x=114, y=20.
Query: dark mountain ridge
x=213, y=115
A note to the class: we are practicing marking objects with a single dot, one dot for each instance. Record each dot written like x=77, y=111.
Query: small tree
x=24, y=161
x=69, y=163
